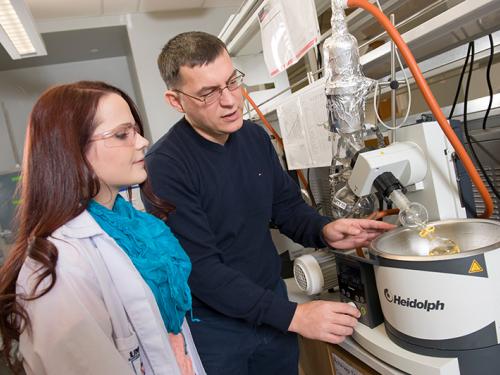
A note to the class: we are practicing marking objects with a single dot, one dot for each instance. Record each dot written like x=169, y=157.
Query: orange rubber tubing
x=381, y=214
x=431, y=101
x=360, y=253
x=273, y=132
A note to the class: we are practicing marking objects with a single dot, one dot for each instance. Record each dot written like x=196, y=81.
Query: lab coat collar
x=82, y=226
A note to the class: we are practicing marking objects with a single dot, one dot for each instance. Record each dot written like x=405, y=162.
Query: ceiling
x=96, y=43
x=50, y=9
x=74, y=45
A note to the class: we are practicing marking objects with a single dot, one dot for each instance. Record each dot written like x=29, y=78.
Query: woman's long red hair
x=56, y=185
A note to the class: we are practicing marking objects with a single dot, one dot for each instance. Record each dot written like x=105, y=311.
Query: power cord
x=375, y=94
x=462, y=73
x=466, y=128
x=488, y=80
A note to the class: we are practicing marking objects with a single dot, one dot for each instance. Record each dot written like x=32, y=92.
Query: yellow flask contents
x=439, y=245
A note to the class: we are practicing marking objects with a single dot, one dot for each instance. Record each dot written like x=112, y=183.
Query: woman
x=91, y=285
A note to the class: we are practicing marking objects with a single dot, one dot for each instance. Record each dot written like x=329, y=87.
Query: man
x=226, y=182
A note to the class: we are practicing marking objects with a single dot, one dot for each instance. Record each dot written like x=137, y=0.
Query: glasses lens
x=213, y=96
x=231, y=86
x=235, y=83
x=122, y=136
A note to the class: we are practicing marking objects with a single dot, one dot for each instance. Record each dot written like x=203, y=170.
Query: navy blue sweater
x=225, y=197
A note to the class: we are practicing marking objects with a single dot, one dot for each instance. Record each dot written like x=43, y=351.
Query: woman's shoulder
x=71, y=242
x=71, y=266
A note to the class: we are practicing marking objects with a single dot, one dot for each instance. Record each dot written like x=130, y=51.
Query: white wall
x=256, y=73
x=148, y=33
x=20, y=88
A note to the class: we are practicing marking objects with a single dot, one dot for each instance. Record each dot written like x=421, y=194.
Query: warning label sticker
x=475, y=267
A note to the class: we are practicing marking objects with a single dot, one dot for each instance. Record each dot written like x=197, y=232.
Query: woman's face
x=116, y=150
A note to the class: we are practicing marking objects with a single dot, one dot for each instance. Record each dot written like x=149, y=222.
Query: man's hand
x=351, y=233
x=324, y=320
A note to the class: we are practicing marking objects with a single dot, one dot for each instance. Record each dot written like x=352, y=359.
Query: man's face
x=213, y=121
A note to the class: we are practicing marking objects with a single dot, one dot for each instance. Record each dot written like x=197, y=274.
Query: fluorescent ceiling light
x=18, y=33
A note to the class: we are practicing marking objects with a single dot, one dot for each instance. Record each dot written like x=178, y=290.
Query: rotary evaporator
x=431, y=285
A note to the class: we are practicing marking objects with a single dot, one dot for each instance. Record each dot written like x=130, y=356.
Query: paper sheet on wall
x=315, y=120
x=307, y=140
x=293, y=134
x=288, y=28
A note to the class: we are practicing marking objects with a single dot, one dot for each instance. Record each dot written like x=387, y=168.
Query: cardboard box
x=319, y=358
x=345, y=363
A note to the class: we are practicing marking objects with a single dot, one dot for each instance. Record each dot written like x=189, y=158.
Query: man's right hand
x=325, y=320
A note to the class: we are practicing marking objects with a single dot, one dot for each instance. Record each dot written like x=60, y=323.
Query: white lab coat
x=100, y=317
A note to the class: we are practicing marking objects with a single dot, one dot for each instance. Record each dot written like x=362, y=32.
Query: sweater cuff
x=321, y=224
x=280, y=313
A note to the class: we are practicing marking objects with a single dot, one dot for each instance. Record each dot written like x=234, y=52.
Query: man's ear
x=172, y=98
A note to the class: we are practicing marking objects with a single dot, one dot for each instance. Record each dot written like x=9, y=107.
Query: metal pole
x=393, y=77
x=10, y=134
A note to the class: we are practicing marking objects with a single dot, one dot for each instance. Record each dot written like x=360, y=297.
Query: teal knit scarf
x=156, y=254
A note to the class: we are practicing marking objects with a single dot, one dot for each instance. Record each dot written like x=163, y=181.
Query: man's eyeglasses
x=214, y=95
x=121, y=136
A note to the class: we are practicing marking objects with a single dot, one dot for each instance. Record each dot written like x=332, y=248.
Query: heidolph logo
x=413, y=303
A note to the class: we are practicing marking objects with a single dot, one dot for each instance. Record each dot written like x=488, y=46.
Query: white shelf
x=436, y=43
